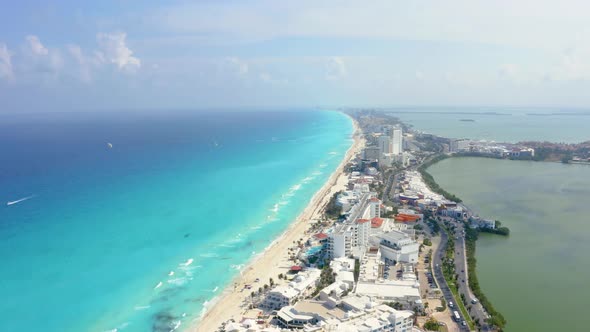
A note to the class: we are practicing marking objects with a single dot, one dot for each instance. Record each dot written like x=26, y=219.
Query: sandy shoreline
x=274, y=260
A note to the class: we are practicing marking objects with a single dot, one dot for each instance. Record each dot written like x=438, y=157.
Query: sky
x=140, y=54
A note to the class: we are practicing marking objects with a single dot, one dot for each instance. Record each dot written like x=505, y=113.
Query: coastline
x=230, y=304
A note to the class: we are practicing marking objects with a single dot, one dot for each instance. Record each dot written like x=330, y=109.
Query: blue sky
x=57, y=55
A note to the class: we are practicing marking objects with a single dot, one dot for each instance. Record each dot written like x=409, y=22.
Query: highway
x=477, y=311
x=438, y=275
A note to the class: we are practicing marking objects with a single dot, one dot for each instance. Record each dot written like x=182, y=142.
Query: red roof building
x=376, y=222
x=321, y=236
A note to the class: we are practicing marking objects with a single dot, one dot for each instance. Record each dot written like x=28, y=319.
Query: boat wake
x=19, y=200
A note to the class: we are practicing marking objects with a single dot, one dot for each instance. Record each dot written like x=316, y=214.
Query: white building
x=284, y=295
x=356, y=314
x=373, y=209
x=291, y=318
x=385, y=145
x=458, y=145
x=397, y=246
x=397, y=141
x=364, y=315
x=279, y=297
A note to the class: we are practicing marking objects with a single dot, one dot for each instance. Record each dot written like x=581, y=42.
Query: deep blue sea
x=141, y=235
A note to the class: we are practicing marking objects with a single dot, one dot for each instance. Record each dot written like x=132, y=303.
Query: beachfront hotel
x=354, y=313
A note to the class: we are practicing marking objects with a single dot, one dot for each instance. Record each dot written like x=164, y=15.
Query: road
x=438, y=275
x=476, y=310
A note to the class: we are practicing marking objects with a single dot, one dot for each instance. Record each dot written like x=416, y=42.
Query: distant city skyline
x=66, y=55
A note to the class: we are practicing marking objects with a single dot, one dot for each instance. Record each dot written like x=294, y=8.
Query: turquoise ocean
x=142, y=234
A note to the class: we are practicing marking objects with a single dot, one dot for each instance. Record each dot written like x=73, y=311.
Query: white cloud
x=508, y=70
x=39, y=58
x=574, y=65
x=335, y=68
x=239, y=66
x=86, y=63
x=115, y=50
x=35, y=45
x=524, y=23
x=5, y=62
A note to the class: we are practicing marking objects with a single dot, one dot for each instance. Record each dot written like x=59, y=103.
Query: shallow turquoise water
x=139, y=237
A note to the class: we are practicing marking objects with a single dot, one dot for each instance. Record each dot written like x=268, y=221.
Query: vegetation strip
x=496, y=318
x=449, y=275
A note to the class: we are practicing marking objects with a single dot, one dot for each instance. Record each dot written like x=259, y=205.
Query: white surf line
x=19, y=200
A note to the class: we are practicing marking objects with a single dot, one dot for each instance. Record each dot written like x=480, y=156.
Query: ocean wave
x=317, y=173
x=333, y=153
x=158, y=285
x=275, y=208
x=188, y=262
x=296, y=187
x=237, y=267
x=204, y=309
x=119, y=328
x=254, y=228
x=209, y=255
x=176, y=326
x=307, y=179
x=178, y=281
x=189, y=270
x=141, y=307
x=323, y=165
x=215, y=289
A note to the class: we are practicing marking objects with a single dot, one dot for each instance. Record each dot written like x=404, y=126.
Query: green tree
x=432, y=325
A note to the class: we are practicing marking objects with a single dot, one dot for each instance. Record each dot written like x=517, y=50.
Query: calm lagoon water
x=501, y=124
x=538, y=276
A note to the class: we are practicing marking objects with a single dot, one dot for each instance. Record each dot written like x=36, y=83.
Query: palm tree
x=271, y=282
x=265, y=287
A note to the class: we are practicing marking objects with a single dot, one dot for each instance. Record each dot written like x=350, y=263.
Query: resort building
x=385, y=145
x=355, y=313
x=460, y=145
x=397, y=246
x=372, y=153
x=279, y=297
x=283, y=295
x=397, y=141
x=452, y=212
x=374, y=209
x=477, y=222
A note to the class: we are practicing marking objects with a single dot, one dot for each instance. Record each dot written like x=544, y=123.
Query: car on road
x=451, y=305
x=464, y=323
x=474, y=301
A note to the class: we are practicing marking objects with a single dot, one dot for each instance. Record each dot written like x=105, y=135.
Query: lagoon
x=537, y=277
